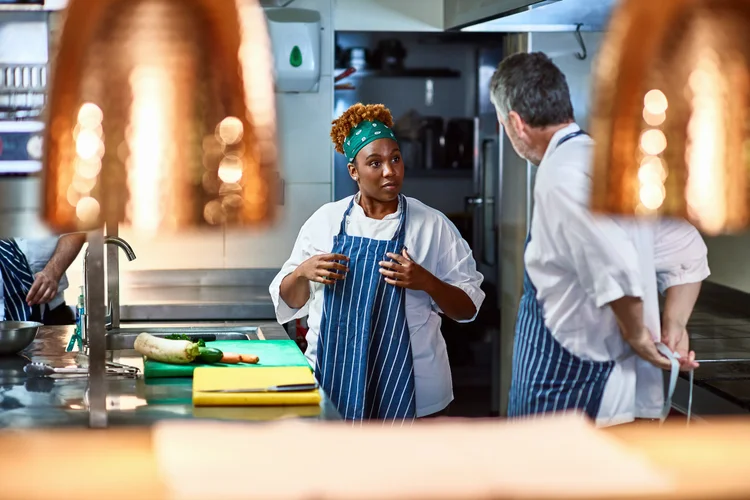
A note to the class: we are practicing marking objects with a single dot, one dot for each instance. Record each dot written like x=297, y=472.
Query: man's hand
x=46, y=283
x=326, y=269
x=43, y=290
x=645, y=347
x=675, y=336
x=405, y=273
x=629, y=314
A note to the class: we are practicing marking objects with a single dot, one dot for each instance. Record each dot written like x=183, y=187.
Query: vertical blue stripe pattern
x=364, y=360
x=547, y=378
x=17, y=280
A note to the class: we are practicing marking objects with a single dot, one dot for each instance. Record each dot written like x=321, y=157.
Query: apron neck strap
x=342, y=230
x=570, y=136
x=400, y=232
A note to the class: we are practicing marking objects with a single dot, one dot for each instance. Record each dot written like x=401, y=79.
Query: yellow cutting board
x=208, y=378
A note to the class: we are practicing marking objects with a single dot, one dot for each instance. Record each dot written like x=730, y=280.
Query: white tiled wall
x=562, y=49
x=306, y=154
x=304, y=134
x=270, y=248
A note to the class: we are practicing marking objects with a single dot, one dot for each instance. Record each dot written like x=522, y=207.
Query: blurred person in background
x=32, y=272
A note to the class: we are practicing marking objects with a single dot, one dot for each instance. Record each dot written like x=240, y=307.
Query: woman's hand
x=325, y=269
x=405, y=273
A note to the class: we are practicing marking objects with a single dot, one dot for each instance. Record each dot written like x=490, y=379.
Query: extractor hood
x=551, y=15
x=462, y=13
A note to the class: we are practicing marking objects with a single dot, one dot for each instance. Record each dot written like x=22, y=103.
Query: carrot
x=231, y=358
x=249, y=358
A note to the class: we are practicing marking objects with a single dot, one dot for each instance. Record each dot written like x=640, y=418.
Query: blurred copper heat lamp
x=161, y=116
x=672, y=113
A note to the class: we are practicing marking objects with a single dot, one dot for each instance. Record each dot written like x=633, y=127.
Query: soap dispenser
x=295, y=36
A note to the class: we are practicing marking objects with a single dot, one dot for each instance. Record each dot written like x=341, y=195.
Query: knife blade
x=273, y=388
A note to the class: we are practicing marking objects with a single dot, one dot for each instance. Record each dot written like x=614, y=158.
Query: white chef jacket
x=580, y=262
x=434, y=243
x=38, y=252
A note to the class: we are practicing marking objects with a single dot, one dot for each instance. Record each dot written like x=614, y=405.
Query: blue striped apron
x=17, y=280
x=364, y=360
x=547, y=378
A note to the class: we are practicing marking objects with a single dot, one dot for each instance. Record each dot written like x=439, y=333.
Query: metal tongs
x=44, y=370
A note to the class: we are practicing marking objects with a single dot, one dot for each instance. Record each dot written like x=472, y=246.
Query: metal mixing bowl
x=17, y=335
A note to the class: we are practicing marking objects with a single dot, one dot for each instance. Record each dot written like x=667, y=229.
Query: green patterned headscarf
x=363, y=134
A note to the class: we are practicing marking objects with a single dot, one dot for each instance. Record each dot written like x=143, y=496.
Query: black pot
x=459, y=143
x=390, y=55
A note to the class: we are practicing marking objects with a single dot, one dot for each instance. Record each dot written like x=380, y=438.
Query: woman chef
x=372, y=272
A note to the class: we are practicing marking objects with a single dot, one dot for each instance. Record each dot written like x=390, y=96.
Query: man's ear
x=353, y=172
x=519, y=126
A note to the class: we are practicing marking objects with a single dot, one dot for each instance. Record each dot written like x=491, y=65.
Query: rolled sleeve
x=680, y=255
x=458, y=268
x=609, y=287
x=284, y=313
x=599, y=248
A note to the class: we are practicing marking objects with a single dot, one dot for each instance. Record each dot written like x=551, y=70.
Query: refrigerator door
x=484, y=204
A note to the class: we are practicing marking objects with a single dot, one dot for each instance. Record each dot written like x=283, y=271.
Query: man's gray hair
x=531, y=85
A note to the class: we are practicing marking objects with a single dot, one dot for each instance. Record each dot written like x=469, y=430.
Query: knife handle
x=294, y=387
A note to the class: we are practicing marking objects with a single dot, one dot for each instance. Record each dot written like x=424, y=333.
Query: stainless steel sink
x=124, y=338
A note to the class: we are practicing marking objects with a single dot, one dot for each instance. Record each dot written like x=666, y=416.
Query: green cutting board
x=269, y=352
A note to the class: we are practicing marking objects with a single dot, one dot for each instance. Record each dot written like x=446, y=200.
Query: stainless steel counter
x=721, y=341
x=196, y=303
x=59, y=401
x=197, y=295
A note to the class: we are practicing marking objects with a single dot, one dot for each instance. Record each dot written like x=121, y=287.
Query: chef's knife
x=273, y=388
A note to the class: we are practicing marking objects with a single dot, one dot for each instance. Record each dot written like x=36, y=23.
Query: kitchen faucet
x=124, y=246
x=112, y=280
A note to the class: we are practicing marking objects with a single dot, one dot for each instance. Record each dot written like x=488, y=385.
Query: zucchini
x=209, y=355
x=180, y=352
x=198, y=340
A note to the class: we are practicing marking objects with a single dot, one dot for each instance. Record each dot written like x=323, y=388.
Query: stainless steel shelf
x=402, y=73
x=438, y=173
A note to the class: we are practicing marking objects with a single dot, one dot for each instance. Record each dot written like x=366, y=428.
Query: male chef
x=32, y=278
x=589, y=336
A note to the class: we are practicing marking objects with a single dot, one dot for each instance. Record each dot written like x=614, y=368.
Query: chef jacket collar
x=552, y=147
x=360, y=212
